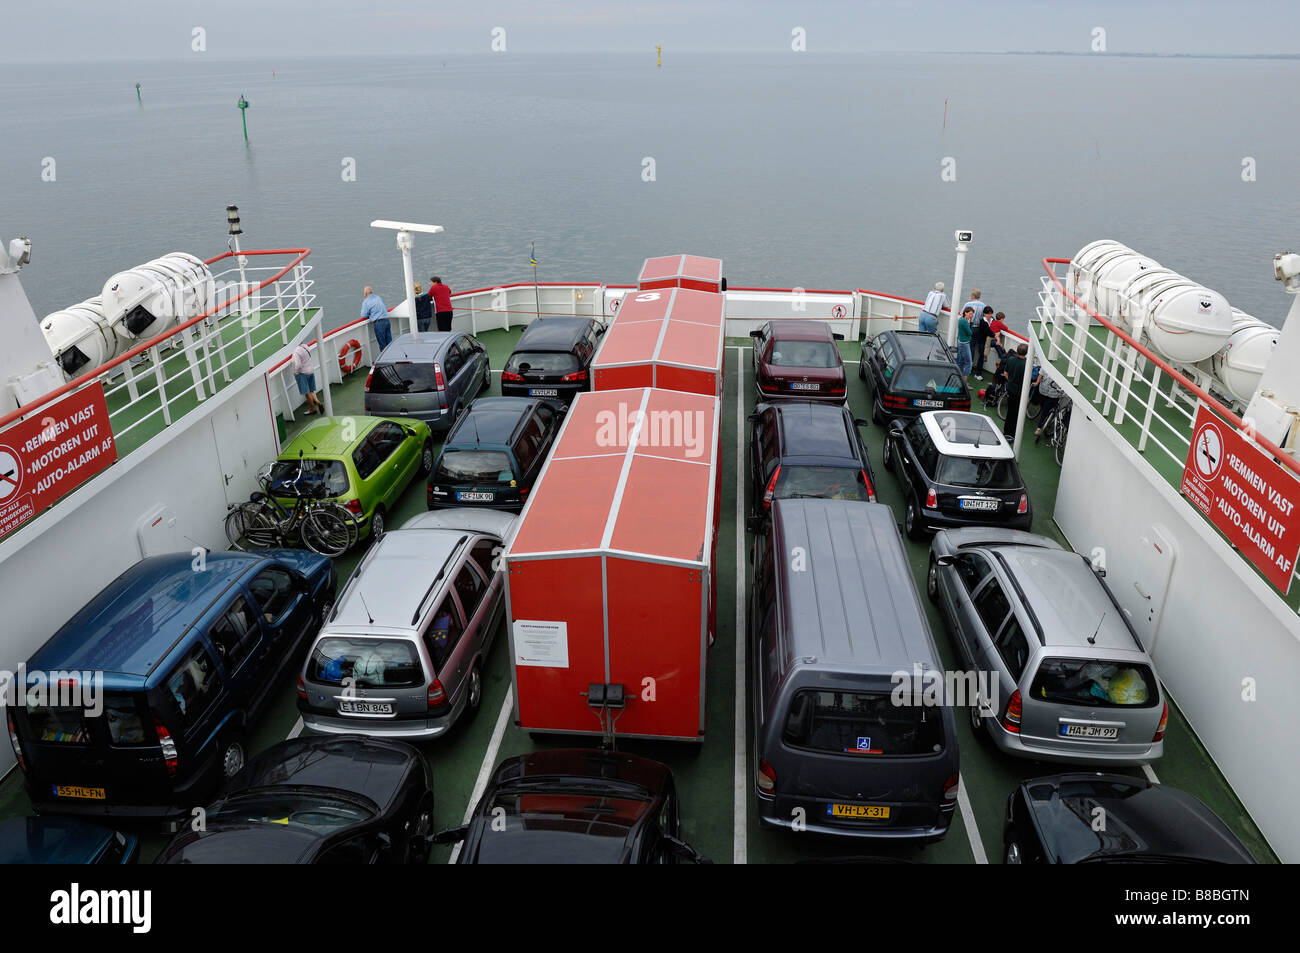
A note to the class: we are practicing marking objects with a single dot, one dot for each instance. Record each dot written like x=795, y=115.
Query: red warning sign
x=1246, y=495
x=50, y=454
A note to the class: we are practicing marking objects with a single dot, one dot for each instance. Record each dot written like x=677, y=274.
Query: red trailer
x=672, y=338
x=610, y=569
x=681, y=271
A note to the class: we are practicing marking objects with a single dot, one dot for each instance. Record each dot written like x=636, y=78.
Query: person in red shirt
x=996, y=328
x=441, y=295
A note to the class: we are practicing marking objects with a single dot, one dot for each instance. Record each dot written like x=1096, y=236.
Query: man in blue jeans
x=373, y=310
x=935, y=302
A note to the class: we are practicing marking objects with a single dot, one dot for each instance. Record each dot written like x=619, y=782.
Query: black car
x=494, y=454
x=341, y=799
x=803, y=448
x=552, y=359
x=575, y=806
x=63, y=840
x=1090, y=818
x=956, y=469
x=910, y=372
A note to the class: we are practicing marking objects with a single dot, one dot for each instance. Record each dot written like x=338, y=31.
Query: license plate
x=1089, y=731
x=475, y=496
x=72, y=790
x=927, y=403
x=874, y=812
x=543, y=392
x=808, y=386
x=969, y=503
x=365, y=708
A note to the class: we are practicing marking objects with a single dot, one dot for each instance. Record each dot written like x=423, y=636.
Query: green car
x=366, y=462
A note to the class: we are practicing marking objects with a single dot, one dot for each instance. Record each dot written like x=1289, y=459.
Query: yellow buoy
x=659, y=56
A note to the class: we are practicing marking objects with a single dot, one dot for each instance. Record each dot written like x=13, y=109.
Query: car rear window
x=1095, y=683
x=474, y=466
x=58, y=724
x=330, y=472
x=313, y=812
x=403, y=377
x=923, y=379
x=865, y=724
x=825, y=483
x=544, y=362
x=123, y=715
x=987, y=474
x=370, y=663
x=804, y=354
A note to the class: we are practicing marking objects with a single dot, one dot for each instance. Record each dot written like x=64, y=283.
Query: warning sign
x=1246, y=495
x=839, y=311
x=50, y=454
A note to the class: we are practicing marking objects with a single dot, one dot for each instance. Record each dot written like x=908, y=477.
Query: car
x=802, y=448
x=955, y=468
x=495, y=453
x=403, y=651
x=186, y=656
x=840, y=746
x=575, y=806
x=64, y=840
x=552, y=359
x=910, y=372
x=310, y=800
x=1054, y=820
x=364, y=462
x=430, y=376
x=1068, y=679
x=798, y=358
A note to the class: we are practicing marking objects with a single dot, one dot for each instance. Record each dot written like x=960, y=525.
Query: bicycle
x=1056, y=427
x=323, y=525
x=996, y=395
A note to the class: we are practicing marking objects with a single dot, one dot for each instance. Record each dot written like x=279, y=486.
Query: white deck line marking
x=485, y=769
x=968, y=820
x=741, y=793
x=1150, y=772
x=297, y=728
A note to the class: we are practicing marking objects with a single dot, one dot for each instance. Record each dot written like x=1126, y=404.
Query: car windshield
x=369, y=663
x=332, y=473
x=559, y=827
x=542, y=362
x=313, y=812
x=827, y=483
x=403, y=377
x=923, y=379
x=986, y=474
x=473, y=466
x=862, y=724
x=804, y=354
x=1095, y=683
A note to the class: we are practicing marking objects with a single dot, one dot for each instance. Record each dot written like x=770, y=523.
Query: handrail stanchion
x=156, y=356
x=1151, y=409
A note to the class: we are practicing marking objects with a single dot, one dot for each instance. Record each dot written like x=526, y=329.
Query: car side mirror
x=753, y=418
x=451, y=835
x=410, y=431
x=859, y=422
x=837, y=337
x=756, y=333
x=945, y=560
x=756, y=525
x=600, y=329
x=686, y=852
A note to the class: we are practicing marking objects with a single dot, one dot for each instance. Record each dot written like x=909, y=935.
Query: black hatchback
x=552, y=359
x=494, y=454
x=910, y=372
x=576, y=806
x=956, y=469
x=804, y=448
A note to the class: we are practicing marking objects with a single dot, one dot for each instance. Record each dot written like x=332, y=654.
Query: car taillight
x=438, y=378
x=511, y=376
x=578, y=376
x=1159, y=735
x=950, y=788
x=302, y=688
x=1024, y=503
x=871, y=490
x=931, y=499
x=355, y=507
x=771, y=490
x=436, y=695
x=765, y=778
x=961, y=404
x=368, y=376
x=168, y=746
x=836, y=388
x=1011, y=717
x=889, y=400
x=13, y=740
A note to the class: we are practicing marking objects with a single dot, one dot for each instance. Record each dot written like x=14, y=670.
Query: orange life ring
x=350, y=356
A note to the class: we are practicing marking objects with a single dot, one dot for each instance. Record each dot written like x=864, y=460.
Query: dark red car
x=798, y=358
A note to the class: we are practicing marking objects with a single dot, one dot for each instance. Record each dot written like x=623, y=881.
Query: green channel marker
x=243, y=114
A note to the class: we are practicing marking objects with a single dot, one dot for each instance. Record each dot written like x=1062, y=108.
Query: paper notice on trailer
x=544, y=644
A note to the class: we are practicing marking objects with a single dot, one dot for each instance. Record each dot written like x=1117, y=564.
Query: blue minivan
x=189, y=649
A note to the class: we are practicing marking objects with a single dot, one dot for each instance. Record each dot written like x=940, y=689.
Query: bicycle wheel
x=252, y=526
x=1059, y=442
x=1002, y=406
x=325, y=533
x=348, y=517
x=1033, y=410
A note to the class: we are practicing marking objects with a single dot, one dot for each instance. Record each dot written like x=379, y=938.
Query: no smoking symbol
x=11, y=473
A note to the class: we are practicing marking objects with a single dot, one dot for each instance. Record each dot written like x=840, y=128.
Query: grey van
x=845, y=746
x=402, y=654
x=429, y=375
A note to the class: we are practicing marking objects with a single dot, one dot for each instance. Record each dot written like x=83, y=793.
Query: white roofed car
x=956, y=469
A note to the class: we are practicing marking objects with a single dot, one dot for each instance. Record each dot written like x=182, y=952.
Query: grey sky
x=54, y=30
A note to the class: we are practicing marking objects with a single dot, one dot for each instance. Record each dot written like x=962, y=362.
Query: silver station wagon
x=402, y=654
x=1067, y=678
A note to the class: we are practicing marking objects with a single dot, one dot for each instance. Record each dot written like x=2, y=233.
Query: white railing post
x=1151, y=409
x=280, y=315
x=162, y=383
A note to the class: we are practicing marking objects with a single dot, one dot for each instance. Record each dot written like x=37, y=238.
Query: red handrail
x=89, y=376
x=1281, y=456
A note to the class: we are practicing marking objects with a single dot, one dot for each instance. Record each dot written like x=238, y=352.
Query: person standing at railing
x=304, y=371
x=1015, y=381
x=374, y=311
x=980, y=339
x=423, y=309
x=975, y=304
x=935, y=302
x=996, y=329
x=441, y=295
x=963, y=341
